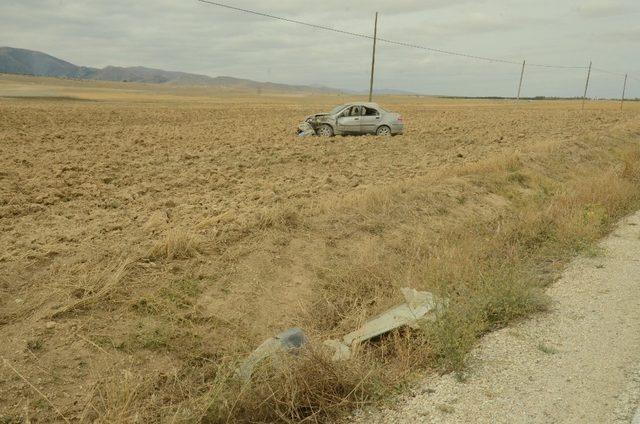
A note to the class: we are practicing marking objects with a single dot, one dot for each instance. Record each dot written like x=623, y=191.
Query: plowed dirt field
x=147, y=233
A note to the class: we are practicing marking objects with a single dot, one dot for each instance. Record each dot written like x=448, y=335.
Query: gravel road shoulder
x=579, y=363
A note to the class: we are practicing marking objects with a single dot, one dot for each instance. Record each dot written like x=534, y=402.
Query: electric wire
x=540, y=65
x=365, y=36
x=405, y=44
x=605, y=71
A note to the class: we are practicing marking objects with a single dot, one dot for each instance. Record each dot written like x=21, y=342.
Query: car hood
x=317, y=115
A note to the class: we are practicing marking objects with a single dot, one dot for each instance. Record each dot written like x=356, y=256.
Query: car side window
x=371, y=112
x=355, y=111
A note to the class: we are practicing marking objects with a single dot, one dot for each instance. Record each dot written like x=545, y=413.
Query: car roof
x=366, y=104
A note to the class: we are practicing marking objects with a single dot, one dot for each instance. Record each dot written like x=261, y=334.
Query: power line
x=620, y=74
x=431, y=49
x=403, y=44
x=539, y=65
x=365, y=36
x=293, y=21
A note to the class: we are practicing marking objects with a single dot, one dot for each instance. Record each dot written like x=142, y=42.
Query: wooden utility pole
x=524, y=62
x=586, y=86
x=624, y=91
x=373, y=59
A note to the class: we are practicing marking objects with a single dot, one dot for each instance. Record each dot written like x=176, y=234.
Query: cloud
x=484, y=22
x=463, y=26
x=364, y=8
x=604, y=8
x=191, y=36
x=625, y=35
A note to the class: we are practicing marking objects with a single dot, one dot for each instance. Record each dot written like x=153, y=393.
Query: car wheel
x=325, y=130
x=383, y=131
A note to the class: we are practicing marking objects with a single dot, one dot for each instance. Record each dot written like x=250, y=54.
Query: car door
x=349, y=120
x=370, y=120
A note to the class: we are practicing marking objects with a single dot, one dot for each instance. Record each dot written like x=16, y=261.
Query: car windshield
x=337, y=109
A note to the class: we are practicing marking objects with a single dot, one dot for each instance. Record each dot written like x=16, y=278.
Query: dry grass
x=115, y=399
x=308, y=388
x=492, y=270
x=176, y=244
x=253, y=231
x=107, y=282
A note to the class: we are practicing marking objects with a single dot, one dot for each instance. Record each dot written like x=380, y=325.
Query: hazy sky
x=190, y=36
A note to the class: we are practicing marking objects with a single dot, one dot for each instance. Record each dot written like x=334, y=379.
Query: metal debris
x=417, y=307
x=287, y=341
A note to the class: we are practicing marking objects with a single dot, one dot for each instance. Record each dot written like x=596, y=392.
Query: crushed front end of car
x=313, y=122
x=305, y=130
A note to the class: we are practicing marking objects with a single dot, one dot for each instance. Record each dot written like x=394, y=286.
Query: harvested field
x=151, y=236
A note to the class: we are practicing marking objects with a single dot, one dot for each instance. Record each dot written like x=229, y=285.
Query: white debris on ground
x=417, y=306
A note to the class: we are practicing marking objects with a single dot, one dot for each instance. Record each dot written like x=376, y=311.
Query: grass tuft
x=549, y=350
x=304, y=387
x=176, y=244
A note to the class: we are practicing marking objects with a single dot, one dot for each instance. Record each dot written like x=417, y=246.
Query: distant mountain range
x=29, y=62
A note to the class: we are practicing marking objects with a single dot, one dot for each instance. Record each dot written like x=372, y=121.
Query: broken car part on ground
x=418, y=306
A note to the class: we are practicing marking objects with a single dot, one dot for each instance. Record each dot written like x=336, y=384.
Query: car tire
x=325, y=130
x=383, y=131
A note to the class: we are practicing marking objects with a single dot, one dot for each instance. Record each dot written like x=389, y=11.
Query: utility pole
x=524, y=62
x=373, y=59
x=624, y=91
x=586, y=86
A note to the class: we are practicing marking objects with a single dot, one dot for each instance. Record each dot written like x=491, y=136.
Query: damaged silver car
x=353, y=119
